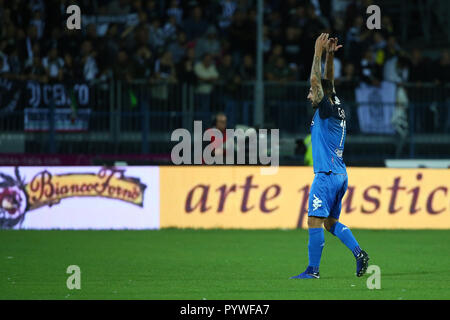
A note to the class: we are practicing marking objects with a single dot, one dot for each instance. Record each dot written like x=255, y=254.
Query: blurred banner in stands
x=376, y=107
x=65, y=120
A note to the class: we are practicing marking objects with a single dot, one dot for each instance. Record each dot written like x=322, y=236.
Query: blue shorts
x=326, y=195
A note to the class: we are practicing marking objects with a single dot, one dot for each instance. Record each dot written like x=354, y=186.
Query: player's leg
x=317, y=212
x=316, y=242
x=343, y=232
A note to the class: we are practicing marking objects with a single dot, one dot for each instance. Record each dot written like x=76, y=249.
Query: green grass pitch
x=218, y=264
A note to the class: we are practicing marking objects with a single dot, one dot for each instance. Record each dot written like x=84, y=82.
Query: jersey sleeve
x=325, y=108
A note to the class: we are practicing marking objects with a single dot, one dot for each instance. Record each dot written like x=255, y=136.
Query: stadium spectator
x=72, y=41
x=88, y=63
x=276, y=52
x=316, y=22
x=396, y=70
x=339, y=28
x=165, y=68
x=267, y=41
x=228, y=75
x=441, y=72
x=391, y=49
x=386, y=25
x=54, y=40
x=53, y=65
x=207, y=75
x=228, y=9
x=195, y=25
x=138, y=38
x=38, y=23
x=288, y=10
x=170, y=29
x=300, y=19
x=356, y=40
x=230, y=81
x=241, y=41
x=379, y=43
x=281, y=72
x=4, y=67
x=178, y=48
x=247, y=70
x=91, y=33
x=14, y=63
x=208, y=44
x=175, y=11
x=123, y=67
x=157, y=37
x=119, y=7
x=69, y=72
x=371, y=72
x=152, y=10
x=348, y=75
x=441, y=76
x=291, y=47
x=143, y=63
x=274, y=23
x=185, y=68
x=164, y=76
x=109, y=48
x=420, y=67
x=27, y=44
x=35, y=71
x=277, y=69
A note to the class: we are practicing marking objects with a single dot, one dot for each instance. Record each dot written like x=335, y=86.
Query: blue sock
x=315, y=247
x=345, y=235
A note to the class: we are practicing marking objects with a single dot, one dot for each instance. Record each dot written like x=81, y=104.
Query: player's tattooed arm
x=315, y=78
x=316, y=85
x=329, y=66
x=331, y=48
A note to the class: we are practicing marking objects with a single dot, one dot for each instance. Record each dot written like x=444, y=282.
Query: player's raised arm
x=315, y=78
x=331, y=48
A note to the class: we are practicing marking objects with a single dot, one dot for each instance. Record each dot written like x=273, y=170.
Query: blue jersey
x=328, y=130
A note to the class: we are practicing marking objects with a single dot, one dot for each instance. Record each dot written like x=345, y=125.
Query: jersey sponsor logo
x=317, y=203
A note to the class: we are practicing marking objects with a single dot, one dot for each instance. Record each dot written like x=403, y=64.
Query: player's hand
x=332, y=45
x=321, y=41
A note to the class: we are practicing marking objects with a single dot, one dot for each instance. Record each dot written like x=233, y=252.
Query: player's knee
x=329, y=223
x=315, y=222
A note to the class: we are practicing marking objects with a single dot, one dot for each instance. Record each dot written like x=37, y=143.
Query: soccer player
x=328, y=132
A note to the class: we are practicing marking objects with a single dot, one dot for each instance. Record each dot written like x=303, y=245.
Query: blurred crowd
x=202, y=41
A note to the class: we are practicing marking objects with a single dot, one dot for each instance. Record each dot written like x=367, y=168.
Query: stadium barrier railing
x=121, y=117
